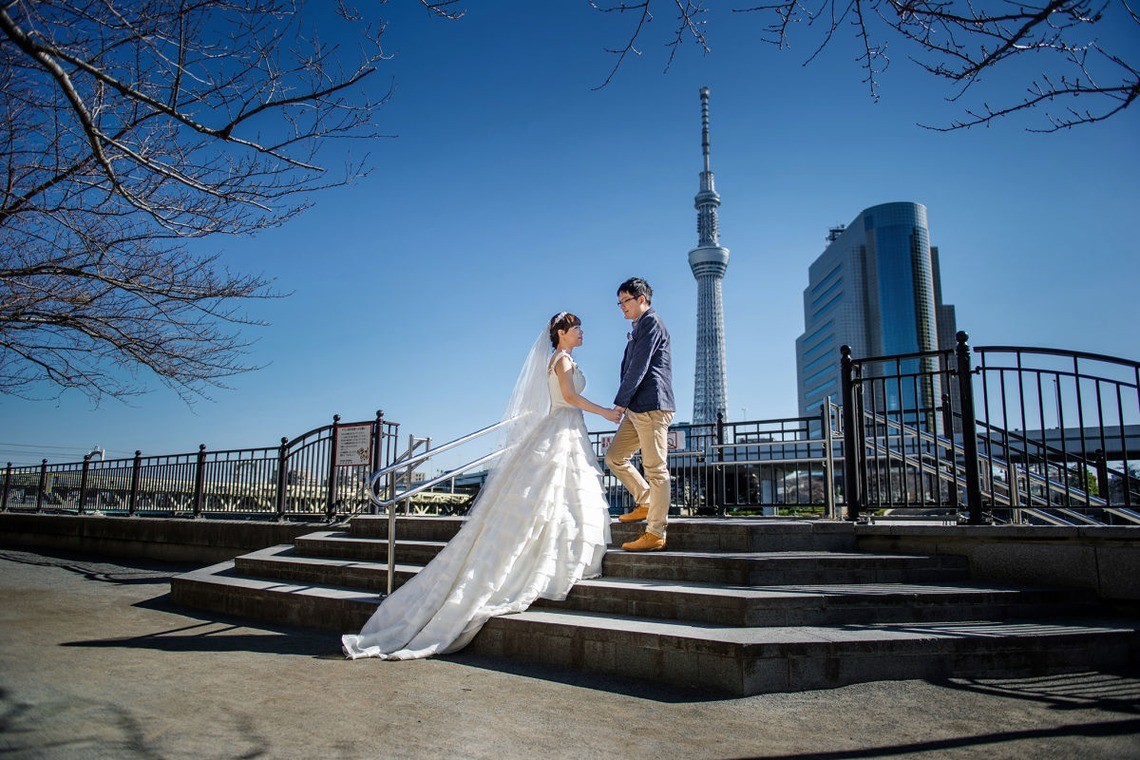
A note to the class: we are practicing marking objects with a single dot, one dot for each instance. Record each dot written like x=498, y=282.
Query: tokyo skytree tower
x=709, y=262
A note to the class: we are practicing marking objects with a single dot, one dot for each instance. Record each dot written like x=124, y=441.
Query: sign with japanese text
x=353, y=445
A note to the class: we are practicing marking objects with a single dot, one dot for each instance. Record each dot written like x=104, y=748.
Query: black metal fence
x=1058, y=435
x=322, y=473
x=759, y=467
x=900, y=417
x=1022, y=435
x=998, y=433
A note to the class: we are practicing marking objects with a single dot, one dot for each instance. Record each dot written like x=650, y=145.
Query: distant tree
x=127, y=128
x=1116, y=485
x=1079, y=81
x=1084, y=477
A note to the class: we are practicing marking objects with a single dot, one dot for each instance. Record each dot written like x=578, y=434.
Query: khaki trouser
x=647, y=431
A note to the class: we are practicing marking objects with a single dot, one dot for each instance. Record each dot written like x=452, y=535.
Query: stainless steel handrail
x=409, y=465
x=450, y=474
x=403, y=464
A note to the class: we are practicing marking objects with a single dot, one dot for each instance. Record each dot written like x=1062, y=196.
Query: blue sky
x=510, y=190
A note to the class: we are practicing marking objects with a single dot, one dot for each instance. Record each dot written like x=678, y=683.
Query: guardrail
x=383, y=483
x=1028, y=435
x=757, y=467
x=313, y=475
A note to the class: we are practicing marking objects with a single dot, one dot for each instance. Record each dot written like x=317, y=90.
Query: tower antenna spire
x=705, y=125
x=709, y=261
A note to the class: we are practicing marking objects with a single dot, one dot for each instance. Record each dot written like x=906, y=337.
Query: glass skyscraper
x=876, y=288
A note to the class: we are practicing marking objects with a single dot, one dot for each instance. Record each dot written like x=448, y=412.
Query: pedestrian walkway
x=96, y=662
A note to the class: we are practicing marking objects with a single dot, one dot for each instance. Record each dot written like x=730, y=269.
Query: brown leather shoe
x=636, y=515
x=648, y=542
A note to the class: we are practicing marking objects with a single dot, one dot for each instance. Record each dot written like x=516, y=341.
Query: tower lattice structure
x=709, y=261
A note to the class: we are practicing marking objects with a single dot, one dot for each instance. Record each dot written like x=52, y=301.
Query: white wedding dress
x=540, y=525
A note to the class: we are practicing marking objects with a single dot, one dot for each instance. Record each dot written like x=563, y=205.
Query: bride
x=539, y=525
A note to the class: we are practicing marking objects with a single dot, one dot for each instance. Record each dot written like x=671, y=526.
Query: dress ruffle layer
x=540, y=525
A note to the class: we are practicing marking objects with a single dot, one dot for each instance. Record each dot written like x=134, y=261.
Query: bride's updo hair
x=563, y=320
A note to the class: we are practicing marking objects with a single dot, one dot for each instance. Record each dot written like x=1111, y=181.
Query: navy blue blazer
x=647, y=367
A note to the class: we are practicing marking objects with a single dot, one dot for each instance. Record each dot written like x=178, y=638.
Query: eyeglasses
x=624, y=301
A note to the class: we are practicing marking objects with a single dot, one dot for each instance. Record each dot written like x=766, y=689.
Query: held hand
x=613, y=415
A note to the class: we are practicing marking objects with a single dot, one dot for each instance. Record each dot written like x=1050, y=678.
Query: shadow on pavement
x=218, y=634
x=215, y=639
x=121, y=571
x=1113, y=692
x=1102, y=691
x=1086, y=730
x=629, y=687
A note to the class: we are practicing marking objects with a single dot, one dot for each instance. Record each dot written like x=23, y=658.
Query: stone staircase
x=739, y=606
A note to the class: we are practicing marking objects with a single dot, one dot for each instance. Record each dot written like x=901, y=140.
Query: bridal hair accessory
x=557, y=317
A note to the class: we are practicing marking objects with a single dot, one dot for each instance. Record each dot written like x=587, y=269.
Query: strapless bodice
x=556, y=400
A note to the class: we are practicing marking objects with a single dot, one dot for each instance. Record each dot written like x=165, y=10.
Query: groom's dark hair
x=636, y=287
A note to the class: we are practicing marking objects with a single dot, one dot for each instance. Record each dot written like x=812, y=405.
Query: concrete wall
x=1103, y=559
x=168, y=540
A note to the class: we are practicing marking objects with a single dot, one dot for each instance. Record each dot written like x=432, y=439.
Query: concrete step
x=703, y=535
x=745, y=661
x=708, y=603
x=794, y=605
x=734, y=568
x=219, y=588
x=412, y=527
x=284, y=563
x=745, y=535
x=785, y=568
x=735, y=659
x=342, y=545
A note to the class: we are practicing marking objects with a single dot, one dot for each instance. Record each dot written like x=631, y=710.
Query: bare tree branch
x=644, y=17
x=130, y=127
x=441, y=8
x=688, y=25
x=957, y=41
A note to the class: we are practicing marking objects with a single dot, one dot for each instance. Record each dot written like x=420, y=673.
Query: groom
x=645, y=396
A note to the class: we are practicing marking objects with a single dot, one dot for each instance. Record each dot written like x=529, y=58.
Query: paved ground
x=95, y=662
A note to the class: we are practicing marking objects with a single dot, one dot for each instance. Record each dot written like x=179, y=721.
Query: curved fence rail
x=320, y=474
x=1058, y=430
x=1021, y=435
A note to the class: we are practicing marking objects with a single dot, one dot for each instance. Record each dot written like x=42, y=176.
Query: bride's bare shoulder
x=560, y=360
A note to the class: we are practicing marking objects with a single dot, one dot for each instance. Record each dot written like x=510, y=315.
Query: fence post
x=947, y=417
x=948, y=431
x=378, y=441
x=852, y=488
x=1102, y=488
x=969, y=430
x=200, y=481
x=83, y=483
x=828, y=461
x=7, y=482
x=40, y=488
x=721, y=484
x=132, y=504
x=282, y=477
x=330, y=504
x=377, y=456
